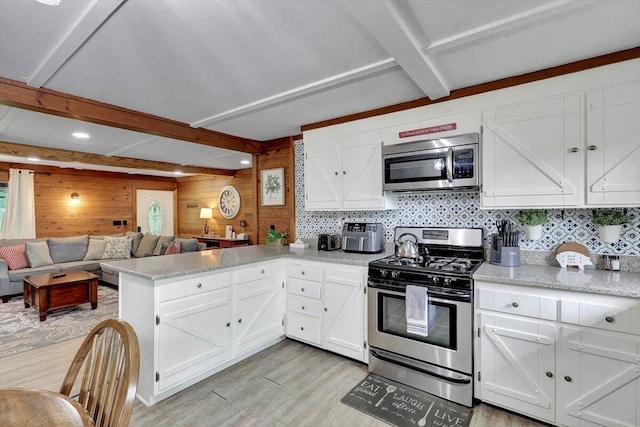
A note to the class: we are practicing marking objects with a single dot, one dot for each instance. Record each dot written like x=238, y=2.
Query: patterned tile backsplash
x=463, y=210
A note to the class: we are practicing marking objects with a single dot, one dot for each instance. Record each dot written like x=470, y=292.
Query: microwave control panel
x=463, y=163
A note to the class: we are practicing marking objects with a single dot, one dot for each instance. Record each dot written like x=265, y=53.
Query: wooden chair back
x=109, y=359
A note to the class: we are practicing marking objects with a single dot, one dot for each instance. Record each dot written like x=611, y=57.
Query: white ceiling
x=261, y=69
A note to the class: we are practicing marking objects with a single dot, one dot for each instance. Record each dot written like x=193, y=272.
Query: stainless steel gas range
x=440, y=363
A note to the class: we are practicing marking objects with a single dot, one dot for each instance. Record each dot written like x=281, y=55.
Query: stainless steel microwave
x=450, y=163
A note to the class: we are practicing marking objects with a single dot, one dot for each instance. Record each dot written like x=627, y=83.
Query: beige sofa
x=24, y=257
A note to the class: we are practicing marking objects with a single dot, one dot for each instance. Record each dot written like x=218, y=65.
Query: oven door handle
x=422, y=367
x=433, y=295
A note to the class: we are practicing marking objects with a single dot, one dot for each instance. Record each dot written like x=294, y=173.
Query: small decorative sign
x=425, y=131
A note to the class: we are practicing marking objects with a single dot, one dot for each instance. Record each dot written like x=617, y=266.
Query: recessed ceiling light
x=49, y=2
x=81, y=135
x=245, y=162
x=33, y=159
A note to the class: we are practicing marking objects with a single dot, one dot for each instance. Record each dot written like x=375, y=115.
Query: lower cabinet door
x=517, y=365
x=193, y=336
x=303, y=327
x=598, y=378
x=343, y=317
x=259, y=312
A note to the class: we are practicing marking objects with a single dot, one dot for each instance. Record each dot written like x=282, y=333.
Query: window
x=4, y=187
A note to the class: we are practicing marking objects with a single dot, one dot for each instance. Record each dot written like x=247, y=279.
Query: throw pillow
x=14, y=256
x=173, y=248
x=38, y=254
x=117, y=247
x=65, y=249
x=96, y=249
x=137, y=238
x=188, y=245
x=147, y=245
x=163, y=240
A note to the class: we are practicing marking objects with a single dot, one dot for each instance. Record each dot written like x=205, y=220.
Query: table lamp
x=206, y=214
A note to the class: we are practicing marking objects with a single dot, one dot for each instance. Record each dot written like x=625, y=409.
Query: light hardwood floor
x=289, y=384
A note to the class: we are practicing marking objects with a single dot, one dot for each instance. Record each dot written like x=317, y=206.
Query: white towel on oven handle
x=417, y=310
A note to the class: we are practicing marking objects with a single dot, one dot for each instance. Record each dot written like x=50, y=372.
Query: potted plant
x=610, y=222
x=532, y=221
x=276, y=238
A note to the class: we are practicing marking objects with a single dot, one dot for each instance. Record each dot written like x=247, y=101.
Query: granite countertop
x=593, y=281
x=169, y=266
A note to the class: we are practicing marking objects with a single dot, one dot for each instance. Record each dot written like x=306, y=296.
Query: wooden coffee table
x=46, y=292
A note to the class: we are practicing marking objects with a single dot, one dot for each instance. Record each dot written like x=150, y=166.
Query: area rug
x=404, y=406
x=21, y=329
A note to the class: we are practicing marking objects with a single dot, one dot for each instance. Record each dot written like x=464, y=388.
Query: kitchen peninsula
x=198, y=313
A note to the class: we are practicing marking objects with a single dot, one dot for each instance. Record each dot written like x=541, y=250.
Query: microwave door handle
x=450, y=164
x=361, y=244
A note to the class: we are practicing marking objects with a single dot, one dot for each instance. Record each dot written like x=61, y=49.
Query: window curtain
x=20, y=216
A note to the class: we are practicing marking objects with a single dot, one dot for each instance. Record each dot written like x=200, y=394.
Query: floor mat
x=404, y=406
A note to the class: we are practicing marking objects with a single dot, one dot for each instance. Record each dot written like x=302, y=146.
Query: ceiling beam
x=58, y=155
x=301, y=91
x=497, y=28
x=392, y=24
x=94, y=15
x=17, y=94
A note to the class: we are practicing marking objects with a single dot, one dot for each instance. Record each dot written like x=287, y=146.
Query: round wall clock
x=229, y=202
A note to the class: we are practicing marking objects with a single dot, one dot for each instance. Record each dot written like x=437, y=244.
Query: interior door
x=155, y=212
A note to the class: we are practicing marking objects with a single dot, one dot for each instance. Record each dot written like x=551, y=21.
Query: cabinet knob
x=549, y=374
x=610, y=319
x=302, y=307
x=301, y=289
x=326, y=309
x=228, y=324
x=199, y=285
x=568, y=379
x=574, y=149
x=593, y=148
x=239, y=320
x=344, y=172
x=336, y=172
x=261, y=271
x=302, y=328
x=515, y=304
x=302, y=272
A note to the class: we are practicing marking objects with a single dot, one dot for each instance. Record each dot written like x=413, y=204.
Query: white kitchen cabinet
x=193, y=335
x=326, y=307
x=613, y=145
x=345, y=173
x=532, y=154
x=259, y=305
x=598, y=380
x=579, y=352
x=343, y=321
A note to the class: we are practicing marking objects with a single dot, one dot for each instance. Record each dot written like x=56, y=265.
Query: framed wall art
x=272, y=183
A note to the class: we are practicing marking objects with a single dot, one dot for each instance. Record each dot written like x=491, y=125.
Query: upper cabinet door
x=532, y=154
x=613, y=146
x=322, y=174
x=362, y=171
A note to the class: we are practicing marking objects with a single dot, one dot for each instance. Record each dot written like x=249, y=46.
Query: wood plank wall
x=104, y=197
x=280, y=153
x=197, y=192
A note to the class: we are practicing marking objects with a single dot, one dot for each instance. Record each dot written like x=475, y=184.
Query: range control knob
x=447, y=281
x=384, y=273
x=435, y=280
x=395, y=274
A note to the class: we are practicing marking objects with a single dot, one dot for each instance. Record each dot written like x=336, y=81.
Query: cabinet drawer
x=621, y=316
x=304, y=288
x=519, y=304
x=302, y=305
x=306, y=328
x=258, y=272
x=304, y=272
x=187, y=287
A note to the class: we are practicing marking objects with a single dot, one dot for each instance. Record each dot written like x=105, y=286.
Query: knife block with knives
x=504, y=245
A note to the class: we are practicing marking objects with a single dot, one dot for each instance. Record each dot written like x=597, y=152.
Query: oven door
x=450, y=337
